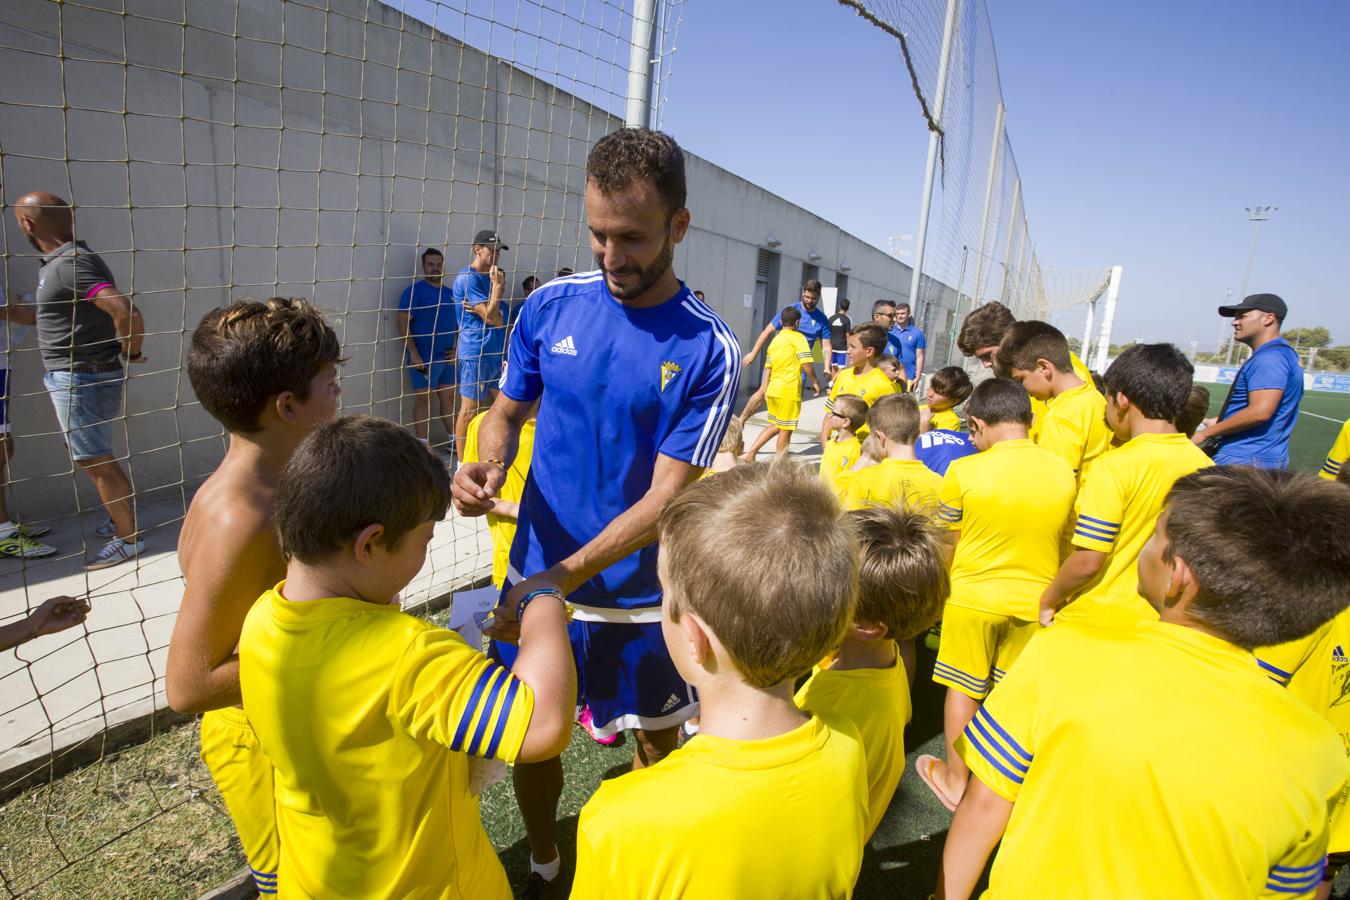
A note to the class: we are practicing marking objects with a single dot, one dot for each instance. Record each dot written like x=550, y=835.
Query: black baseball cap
x=1264, y=302
x=489, y=238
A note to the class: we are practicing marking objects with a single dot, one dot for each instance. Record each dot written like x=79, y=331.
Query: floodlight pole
x=640, y=56
x=1258, y=214
x=1012, y=229
x=939, y=97
x=1108, y=320
x=988, y=202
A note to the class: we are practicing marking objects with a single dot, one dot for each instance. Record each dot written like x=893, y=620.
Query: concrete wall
x=313, y=148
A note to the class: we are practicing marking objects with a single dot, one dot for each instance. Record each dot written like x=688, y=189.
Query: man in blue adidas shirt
x=428, y=321
x=814, y=326
x=909, y=339
x=635, y=378
x=1258, y=417
x=478, y=289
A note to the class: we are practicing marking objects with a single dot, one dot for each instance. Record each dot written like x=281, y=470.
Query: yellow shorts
x=783, y=414
x=977, y=648
x=243, y=775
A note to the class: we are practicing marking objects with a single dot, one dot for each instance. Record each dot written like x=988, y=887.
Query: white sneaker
x=107, y=530
x=114, y=552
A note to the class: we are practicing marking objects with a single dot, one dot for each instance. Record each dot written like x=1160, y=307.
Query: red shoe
x=585, y=721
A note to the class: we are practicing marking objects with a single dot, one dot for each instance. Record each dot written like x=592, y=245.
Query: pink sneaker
x=585, y=721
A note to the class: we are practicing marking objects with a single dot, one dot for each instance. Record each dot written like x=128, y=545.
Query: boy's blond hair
x=852, y=408
x=896, y=416
x=903, y=581
x=870, y=449
x=765, y=555
x=733, y=441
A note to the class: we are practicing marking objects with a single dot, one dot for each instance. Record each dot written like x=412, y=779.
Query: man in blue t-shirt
x=1258, y=417
x=634, y=379
x=815, y=326
x=909, y=340
x=939, y=448
x=428, y=321
x=478, y=289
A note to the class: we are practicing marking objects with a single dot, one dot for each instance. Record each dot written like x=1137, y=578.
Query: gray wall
x=313, y=149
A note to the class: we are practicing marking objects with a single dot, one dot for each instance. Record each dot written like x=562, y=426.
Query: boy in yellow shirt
x=506, y=504
x=895, y=371
x=899, y=479
x=370, y=716
x=750, y=603
x=842, y=449
x=861, y=377
x=1006, y=506
x=1147, y=389
x=1336, y=457
x=947, y=389
x=901, y=587
x=1036, y=355
x=1159, y=761
x=788, y=359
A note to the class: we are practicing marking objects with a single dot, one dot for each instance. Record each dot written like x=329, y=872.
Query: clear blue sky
x=1141, y=130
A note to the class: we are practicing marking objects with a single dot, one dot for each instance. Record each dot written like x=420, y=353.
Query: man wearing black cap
x=1258, y=416
x=478, y=288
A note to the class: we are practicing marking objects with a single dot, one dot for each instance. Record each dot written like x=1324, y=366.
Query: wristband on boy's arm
x=544, y=592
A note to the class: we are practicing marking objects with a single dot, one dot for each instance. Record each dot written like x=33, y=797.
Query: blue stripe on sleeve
x=976, y=742
x=513, y=685
x=1114, y=526
x=1278, y=675
x=993, y=723
x=1096, y=530
x=486, y=706
x=471, y=707
x=1092, y=536
x=950, y=673
x=996, y=746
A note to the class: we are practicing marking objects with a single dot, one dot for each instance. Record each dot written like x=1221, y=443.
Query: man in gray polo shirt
x=86, y=327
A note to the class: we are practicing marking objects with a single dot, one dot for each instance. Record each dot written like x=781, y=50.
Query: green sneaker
x=20, y=547
x=933, y=638
x=33, y=531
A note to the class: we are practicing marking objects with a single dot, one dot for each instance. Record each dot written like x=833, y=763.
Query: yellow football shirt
x=877, y=702
x=502, y=529
x=894, y=482
x=1316, y=670
x=1010, y=504
x=369, y=717
x=835, y=461
x=748, y=820
x=1038, y=407
x=1075, y=427
x=1118, y=507
x=1340, y=451
x=868, y=386
x=945, y=419
x=1152, y=762
x=788, y=351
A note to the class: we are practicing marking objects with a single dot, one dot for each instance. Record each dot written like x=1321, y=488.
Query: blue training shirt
x=476, y=337
x=616, y=386
x=815, y=325
x=906, y=343
x=1274, y=366
x=939, y=448
x=433, y=317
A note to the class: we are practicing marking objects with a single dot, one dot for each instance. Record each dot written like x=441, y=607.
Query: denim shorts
x=87, y=404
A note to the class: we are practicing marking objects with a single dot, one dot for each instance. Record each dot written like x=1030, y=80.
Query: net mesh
x=216, y=150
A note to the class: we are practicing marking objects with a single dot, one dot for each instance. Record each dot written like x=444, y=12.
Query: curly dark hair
x=632, y=154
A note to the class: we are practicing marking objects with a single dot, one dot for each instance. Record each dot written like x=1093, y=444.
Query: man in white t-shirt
x=15, y=540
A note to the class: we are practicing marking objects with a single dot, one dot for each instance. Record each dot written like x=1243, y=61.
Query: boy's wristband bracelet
x=493, y=461
x=525, y=601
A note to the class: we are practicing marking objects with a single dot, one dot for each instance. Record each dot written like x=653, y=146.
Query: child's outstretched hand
x=56, y=614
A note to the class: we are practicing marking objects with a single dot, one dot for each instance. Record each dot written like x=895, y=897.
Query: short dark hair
x=903, y=580
x=1026, y=342
x=1267, y=547
x=983, y=327
x=812, y=285
x=564, y=272
x=842, y=305
x=997, y=401
x=790, y=316
x=896, y=416
x=953, y=383
x=699, y=295
x=353, y=472
x=629, y=155
x=1155, y=377
x=431, y=251
x=529, y=280
x=903, y=304
x=244, y=354
x=870, y=334
x=1197, y=407
x=878, y=304
x=854, y=408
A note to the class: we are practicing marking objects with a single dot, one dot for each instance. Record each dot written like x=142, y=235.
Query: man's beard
x=646, y=277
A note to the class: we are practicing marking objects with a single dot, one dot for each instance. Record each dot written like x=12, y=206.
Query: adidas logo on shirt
x=671, y=702
x=565, y=346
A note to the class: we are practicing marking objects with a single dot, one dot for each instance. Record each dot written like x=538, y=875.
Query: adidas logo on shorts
x=671, y=703
x=565, y=346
